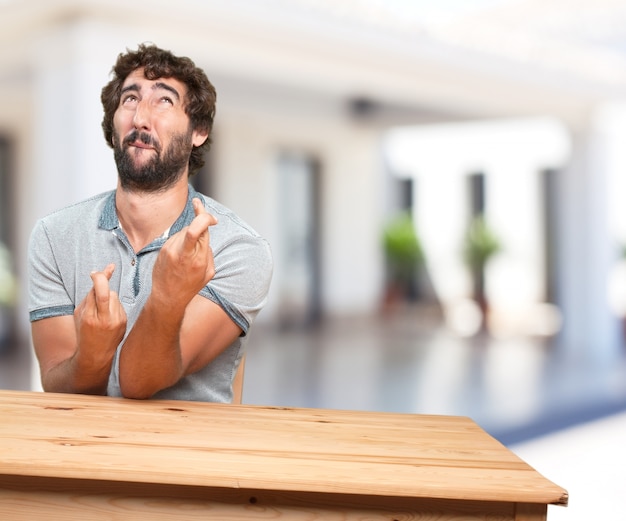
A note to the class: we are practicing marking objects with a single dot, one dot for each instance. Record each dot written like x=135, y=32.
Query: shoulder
x=230, y=226
x=227, y=217
x=235, y=242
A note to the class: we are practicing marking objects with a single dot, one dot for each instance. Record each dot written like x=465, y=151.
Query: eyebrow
x=157, y=85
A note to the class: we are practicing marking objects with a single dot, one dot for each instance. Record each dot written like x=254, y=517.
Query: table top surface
x=257, y=447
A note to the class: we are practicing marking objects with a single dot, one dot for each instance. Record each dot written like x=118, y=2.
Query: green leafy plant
x=480, y=244
x=7, y=279
x=402, y=249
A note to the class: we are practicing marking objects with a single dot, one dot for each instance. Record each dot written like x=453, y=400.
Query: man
x=148, y=290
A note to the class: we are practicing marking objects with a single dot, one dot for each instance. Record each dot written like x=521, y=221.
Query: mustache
x=144, y=137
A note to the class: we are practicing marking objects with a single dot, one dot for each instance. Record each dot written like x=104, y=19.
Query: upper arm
x=54, y=337
x=206, y=331
x=241, y=284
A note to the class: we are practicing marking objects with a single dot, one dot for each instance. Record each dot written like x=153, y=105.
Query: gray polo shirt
x=67, y=245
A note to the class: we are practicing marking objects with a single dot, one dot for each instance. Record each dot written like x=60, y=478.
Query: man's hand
x=185, y=263
x=75, y=353
x=100, y=322
x=183, y=267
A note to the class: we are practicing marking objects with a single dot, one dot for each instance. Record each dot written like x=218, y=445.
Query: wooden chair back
x=238, y=381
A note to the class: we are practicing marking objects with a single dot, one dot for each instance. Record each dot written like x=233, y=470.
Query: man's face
x=152, y=135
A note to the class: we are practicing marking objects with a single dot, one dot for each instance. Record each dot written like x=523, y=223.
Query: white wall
x=273, y=95
x=511, y=155
x=247, y=145
x=63, y=157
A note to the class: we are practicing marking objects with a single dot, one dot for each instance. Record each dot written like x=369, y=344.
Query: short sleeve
x=47, y=295
x=243, y=273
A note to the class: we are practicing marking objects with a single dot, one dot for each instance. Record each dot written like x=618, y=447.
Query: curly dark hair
x=159, y=63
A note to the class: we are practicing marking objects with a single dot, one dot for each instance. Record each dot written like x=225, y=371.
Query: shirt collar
x=110, y=221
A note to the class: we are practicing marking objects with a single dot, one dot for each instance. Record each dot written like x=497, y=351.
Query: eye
x=129, y=98
x=167, y=100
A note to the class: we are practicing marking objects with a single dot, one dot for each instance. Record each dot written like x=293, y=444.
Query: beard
x=158, y=173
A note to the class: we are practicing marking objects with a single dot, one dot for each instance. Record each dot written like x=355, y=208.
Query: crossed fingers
x=101, y=291
x=198, y=229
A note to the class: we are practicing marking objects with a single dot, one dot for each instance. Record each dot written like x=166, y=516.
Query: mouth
x=141, y=144
x=141, y=141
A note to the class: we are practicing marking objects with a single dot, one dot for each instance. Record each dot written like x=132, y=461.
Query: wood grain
x=292, y=454
x=45, y=498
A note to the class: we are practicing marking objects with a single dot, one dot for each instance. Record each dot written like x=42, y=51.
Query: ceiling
x=443, y=59
x=585, y=38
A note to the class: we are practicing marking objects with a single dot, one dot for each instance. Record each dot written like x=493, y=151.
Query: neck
x=145, y=216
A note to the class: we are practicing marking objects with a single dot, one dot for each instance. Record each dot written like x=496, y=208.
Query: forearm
x=72, y=362
x=150, y=359
x=72, y=375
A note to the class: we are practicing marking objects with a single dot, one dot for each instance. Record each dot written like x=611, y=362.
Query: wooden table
x=74, y=457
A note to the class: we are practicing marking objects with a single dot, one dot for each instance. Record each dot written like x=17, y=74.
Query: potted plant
x=8, y=288
x=481, y=244
x=404, y=256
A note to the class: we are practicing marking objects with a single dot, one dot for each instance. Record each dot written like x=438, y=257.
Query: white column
x=585, y=247
x=70, y=64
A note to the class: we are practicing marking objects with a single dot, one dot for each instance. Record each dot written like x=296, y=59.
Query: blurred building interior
x=494, y=126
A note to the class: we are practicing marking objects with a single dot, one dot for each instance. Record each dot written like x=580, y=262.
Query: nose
x=142, y=116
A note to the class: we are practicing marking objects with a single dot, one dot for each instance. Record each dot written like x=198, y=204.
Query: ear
x=198, y=137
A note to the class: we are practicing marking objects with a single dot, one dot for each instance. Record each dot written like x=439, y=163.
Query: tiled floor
x=515, y=389
x=407, y=361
